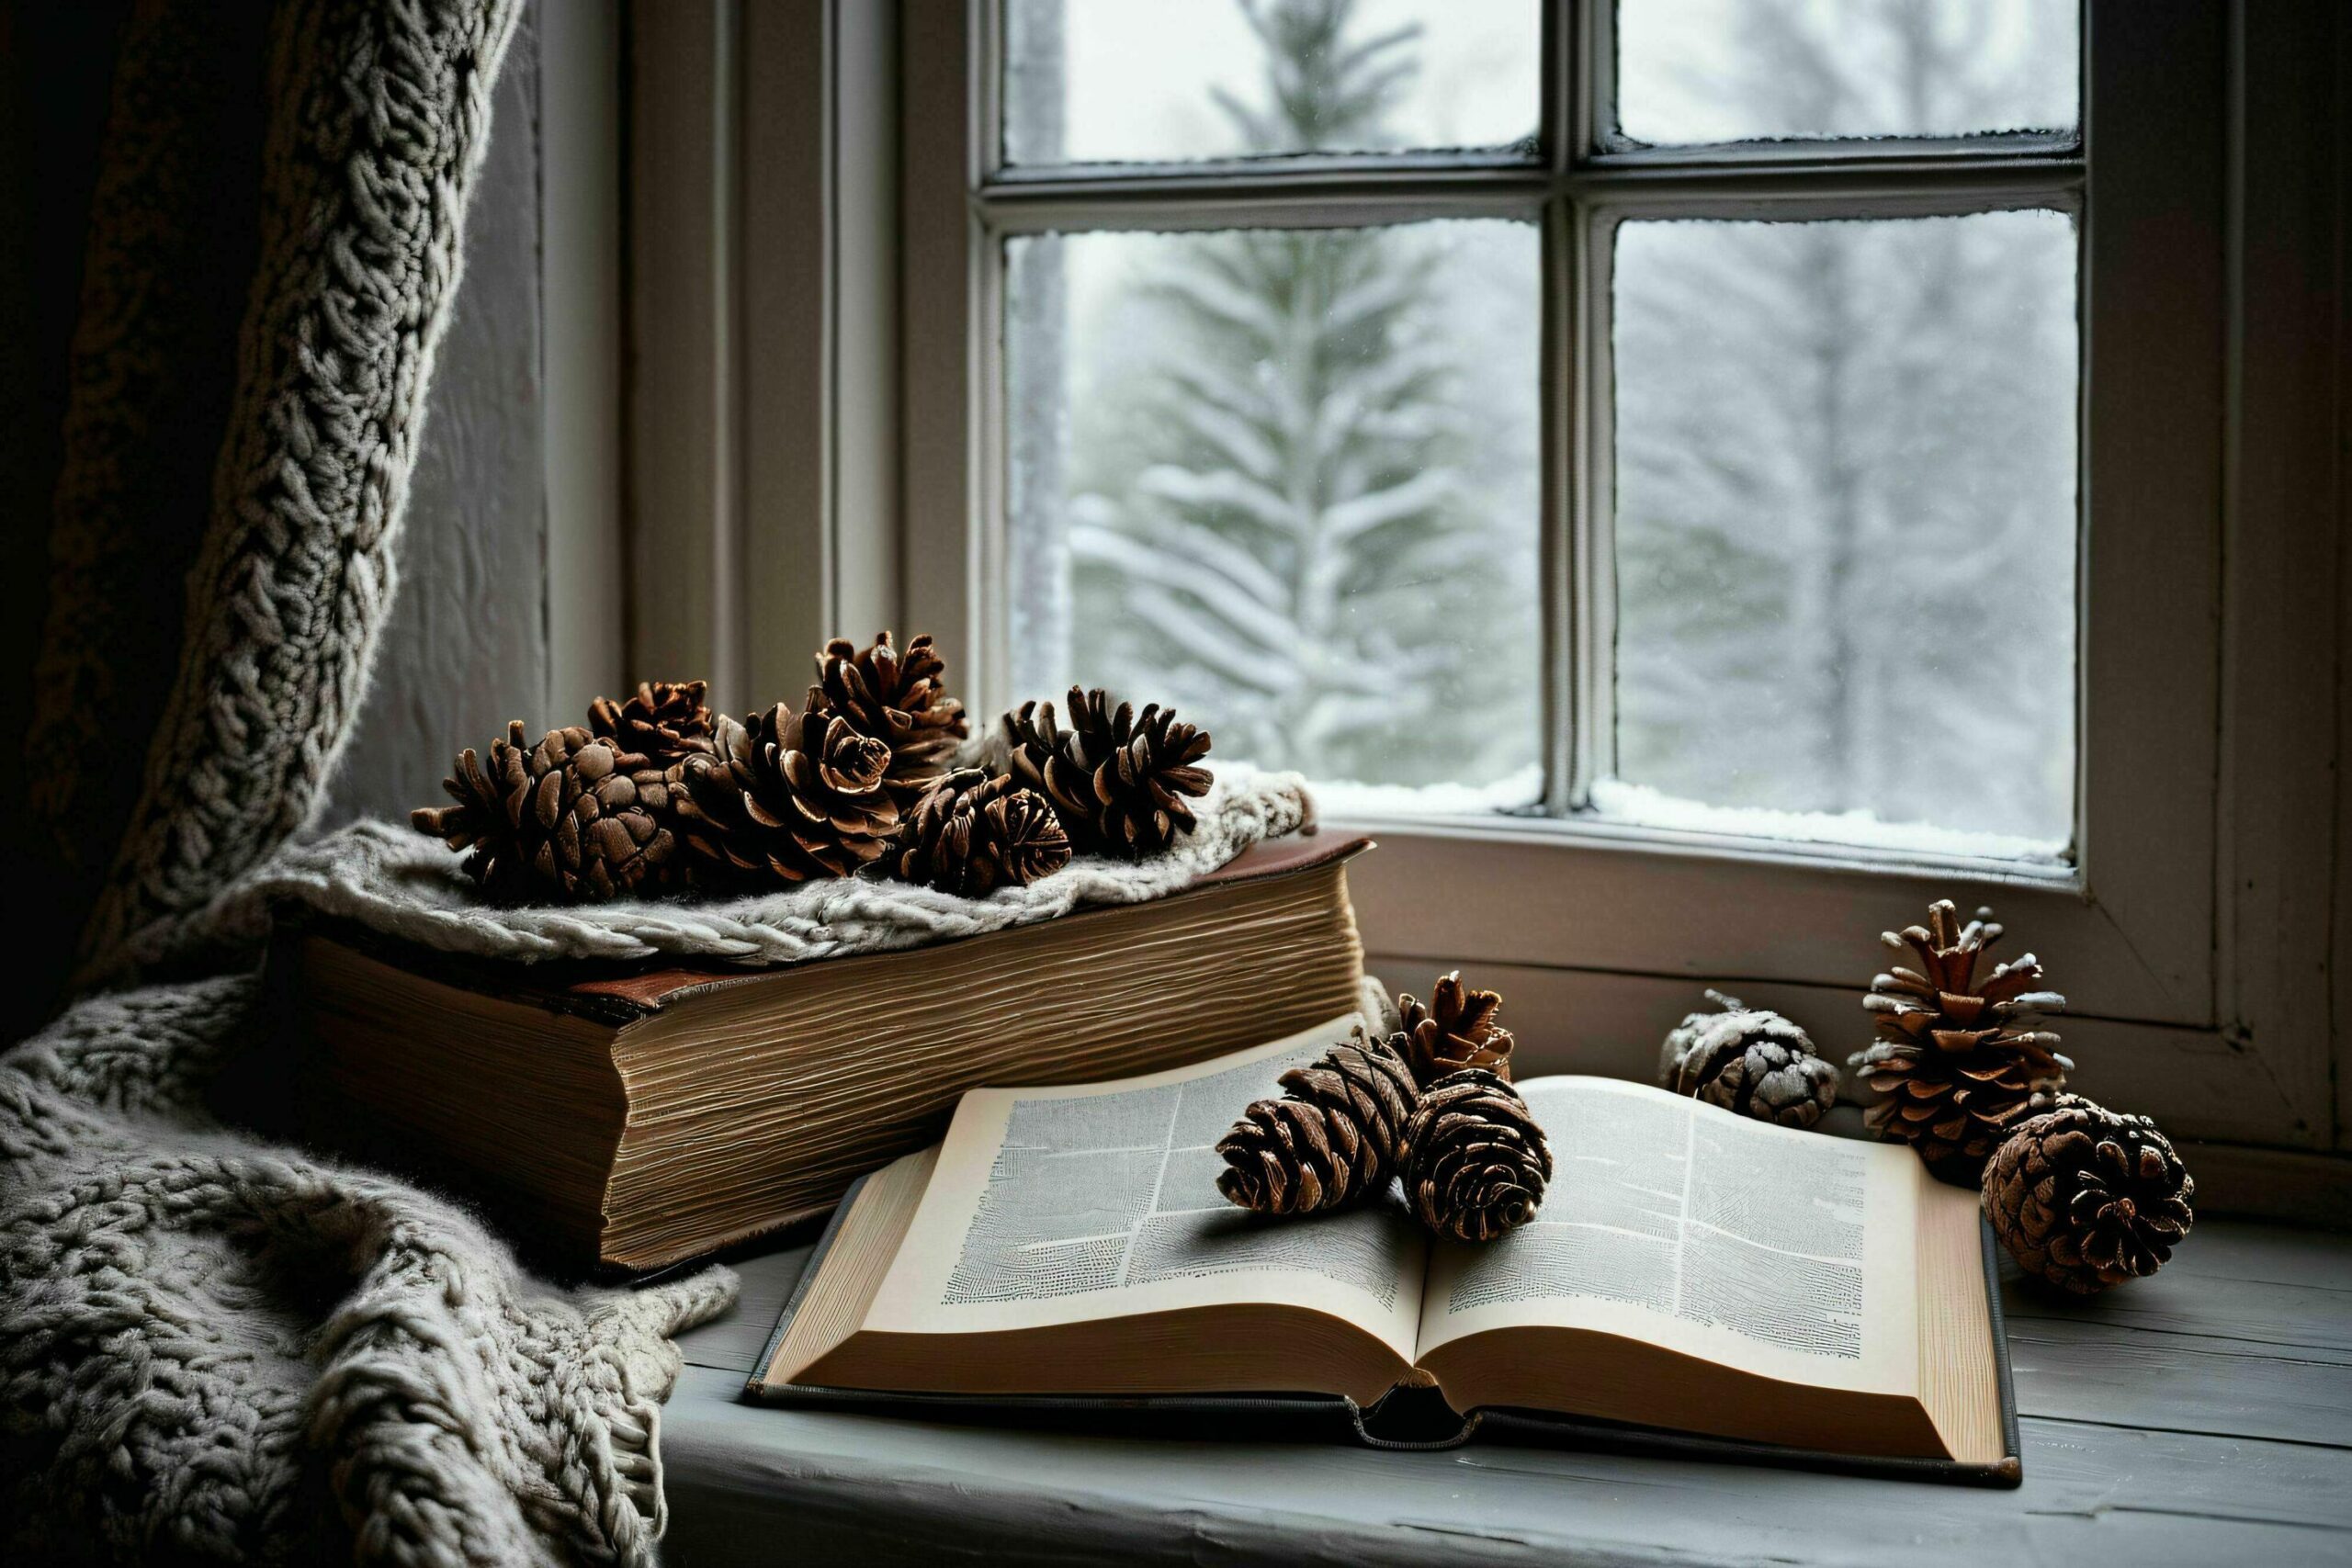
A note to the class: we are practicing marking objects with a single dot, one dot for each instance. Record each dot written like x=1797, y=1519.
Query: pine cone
x=787, y=796
x=571, y=818
x=1117, y=780
x=1335, y=1136
x=1478, y=1163
x=1956, y=1057
x=1457, y=1030
x=608, y=818
x=665, y=722
x=900, y=699
x=489, y=818
x=971, y=833
x=1756, y=1063
x=2087, y=1198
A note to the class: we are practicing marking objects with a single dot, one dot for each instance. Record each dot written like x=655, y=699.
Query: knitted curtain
x=212, y=1348
x=378, y=118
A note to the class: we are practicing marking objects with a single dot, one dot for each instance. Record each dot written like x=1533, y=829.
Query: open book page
x=1058, y=1205
x=1787, y=1254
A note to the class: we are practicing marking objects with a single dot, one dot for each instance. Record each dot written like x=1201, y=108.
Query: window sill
x=1542, y=834
x=1606, y=899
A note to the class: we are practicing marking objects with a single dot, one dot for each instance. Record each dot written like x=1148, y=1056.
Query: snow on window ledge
x=1616, y=803
x=1515, y=791
x=1632, y=804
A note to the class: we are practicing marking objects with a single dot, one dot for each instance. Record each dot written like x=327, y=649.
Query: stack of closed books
x=635, y=1119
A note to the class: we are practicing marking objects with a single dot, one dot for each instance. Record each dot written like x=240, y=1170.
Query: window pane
x=1845, y=530
x=1286, y=479
x=1156, y=81
x=1691, y=72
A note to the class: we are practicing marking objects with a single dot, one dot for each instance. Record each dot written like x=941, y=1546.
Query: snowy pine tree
x=1272, y=525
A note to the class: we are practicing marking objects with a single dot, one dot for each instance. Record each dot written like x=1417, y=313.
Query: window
x=1681, y=439
x=1652, y=330
x=1658, y=354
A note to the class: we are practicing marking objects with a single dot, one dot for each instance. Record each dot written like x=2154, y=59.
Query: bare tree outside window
x=1845, y=525
x=1845, y=498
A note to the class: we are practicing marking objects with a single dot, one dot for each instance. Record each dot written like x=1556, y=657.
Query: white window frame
x=855, y=449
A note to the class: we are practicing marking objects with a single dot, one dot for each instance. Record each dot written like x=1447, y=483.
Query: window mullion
x=1290, y=171
x=1051, y=210
x=1584, y=99
x=1592, y=532
x=1868, y=189
x=1569, y=714
x=1558, y=410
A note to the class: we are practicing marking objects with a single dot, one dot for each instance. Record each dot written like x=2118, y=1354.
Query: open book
x=1690, y=1271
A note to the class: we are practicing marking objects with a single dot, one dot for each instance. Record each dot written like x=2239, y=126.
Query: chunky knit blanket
x=378, y=119
x=214, y=1350
x=235, y=1351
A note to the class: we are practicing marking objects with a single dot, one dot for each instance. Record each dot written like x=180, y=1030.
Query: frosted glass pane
x=1288, y=479
x=1845, y=530
x=1692, y=71
x=1155, y=81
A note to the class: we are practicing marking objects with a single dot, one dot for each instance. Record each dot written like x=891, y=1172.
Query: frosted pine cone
x=1959, y=1060
x=1753, y=1062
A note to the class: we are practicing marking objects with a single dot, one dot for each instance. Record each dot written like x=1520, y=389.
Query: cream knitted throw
x=398, y=882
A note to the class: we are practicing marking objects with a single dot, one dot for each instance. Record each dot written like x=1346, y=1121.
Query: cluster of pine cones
x=1432, y=1103
x=658, y=794
x=2083, y=1197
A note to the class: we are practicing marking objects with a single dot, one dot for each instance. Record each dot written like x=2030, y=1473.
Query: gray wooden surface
x=2202, y=1417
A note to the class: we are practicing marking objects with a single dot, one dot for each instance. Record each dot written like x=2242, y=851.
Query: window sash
x=1585, y=742
x=2134, y=915
x=1581, y=183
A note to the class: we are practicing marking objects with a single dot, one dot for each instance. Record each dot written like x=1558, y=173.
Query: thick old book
x=1695, y=1280
x=636, y=1120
